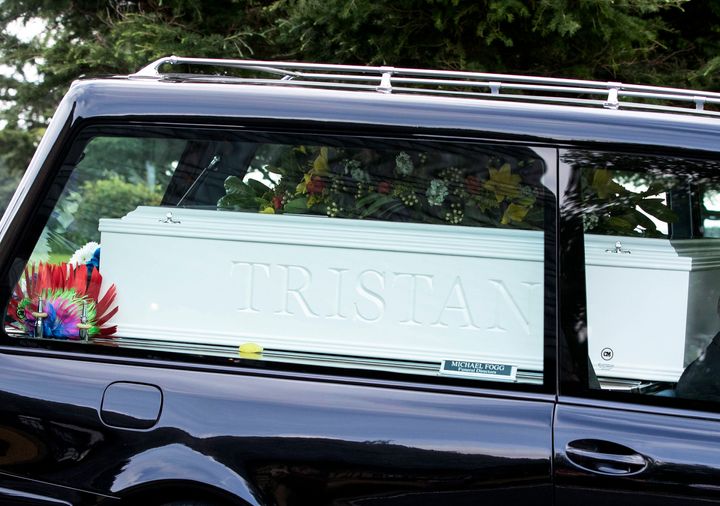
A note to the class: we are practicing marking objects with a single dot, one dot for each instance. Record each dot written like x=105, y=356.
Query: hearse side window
x=392, y=255
x=652, y=272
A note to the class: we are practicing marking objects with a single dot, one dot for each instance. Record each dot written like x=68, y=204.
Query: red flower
x=315, y=186
x=384, y=187
x=277, y=202
x=473, y=184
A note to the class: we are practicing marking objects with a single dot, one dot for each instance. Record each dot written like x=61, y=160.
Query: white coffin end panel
x=651, y=308
x=306, y=283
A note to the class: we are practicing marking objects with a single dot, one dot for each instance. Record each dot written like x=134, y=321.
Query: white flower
x=437, y=192
x=84, y=254
x=590, y=221
x=360, y=175
x=403, y=164
x=351, y=165
x=353, y=168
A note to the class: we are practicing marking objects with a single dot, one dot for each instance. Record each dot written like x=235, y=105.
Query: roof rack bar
x=612, y=101
x=288, y=67
x=448, y=82
x=283, y=82
x=560, y=100
x=385, y=83
x=497, y=85
x=442, y=82
x=661, y=96
x=152, y=70
x=491, y=85
x=307, y=79
x=451, y=93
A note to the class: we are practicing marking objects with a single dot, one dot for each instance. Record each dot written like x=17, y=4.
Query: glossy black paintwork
x=682, y=451
x=679, y=447
x=131, y=405
x=123, y=98
x=21, y=491
x=268, y=440
x=253, y=437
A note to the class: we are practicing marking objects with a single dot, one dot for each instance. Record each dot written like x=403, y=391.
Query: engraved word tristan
x=365, y=295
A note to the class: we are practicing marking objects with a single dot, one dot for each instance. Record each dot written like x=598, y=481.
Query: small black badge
x=607, y=354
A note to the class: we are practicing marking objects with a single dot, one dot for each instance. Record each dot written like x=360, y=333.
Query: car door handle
x=605, y=457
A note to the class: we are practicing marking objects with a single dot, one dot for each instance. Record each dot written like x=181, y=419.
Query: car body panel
x=682, y=454
x=263, y=437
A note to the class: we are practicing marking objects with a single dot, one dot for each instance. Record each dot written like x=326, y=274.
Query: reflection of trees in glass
x=623, y=194
x=711, y=200
x=135, y=160
x=8, y=183
x=114, y=176
x=106, y=198
x=711, y=210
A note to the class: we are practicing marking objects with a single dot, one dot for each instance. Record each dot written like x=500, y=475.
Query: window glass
x=652, y=272
x=395, y=255
x=711, y=210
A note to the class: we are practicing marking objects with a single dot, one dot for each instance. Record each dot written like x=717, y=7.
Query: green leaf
x=373, y=203
x=296, y=206
x=620, y=224
x=645, y=222
x=234, y=184
x=258, y=187
x=392, y=208
x=657, y=209
x=657, y=186
x=237, y=201
x=275, y=170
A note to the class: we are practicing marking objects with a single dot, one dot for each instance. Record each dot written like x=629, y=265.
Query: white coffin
x=402, y=291
x=652, y=307
x=315, y=284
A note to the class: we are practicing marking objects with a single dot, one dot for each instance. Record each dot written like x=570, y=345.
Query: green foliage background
x=668, y=42
x=109, y=198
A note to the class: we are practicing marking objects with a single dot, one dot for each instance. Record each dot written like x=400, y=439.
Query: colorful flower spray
x=63, y=301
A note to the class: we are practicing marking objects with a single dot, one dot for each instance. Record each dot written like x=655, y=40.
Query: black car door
x=637, y=420
x=157, y=411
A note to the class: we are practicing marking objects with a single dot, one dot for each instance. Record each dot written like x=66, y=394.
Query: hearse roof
x=268, y=104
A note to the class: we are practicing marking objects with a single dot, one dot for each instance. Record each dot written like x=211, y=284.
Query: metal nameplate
x=480, y=370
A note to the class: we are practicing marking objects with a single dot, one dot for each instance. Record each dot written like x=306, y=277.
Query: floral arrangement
x=63, y=300
x=400, y=186
x=87, y=255
x=633, y=208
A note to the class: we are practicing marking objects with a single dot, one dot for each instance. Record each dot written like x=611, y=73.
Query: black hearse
x=261, y=283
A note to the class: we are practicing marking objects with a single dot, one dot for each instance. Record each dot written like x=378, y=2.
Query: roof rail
x=608, y=95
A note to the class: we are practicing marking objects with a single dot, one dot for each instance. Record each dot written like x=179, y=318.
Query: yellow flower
x=268, y=210
x=503, y=183
x=514, y=213
x=302, y=186
x=320, y=165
